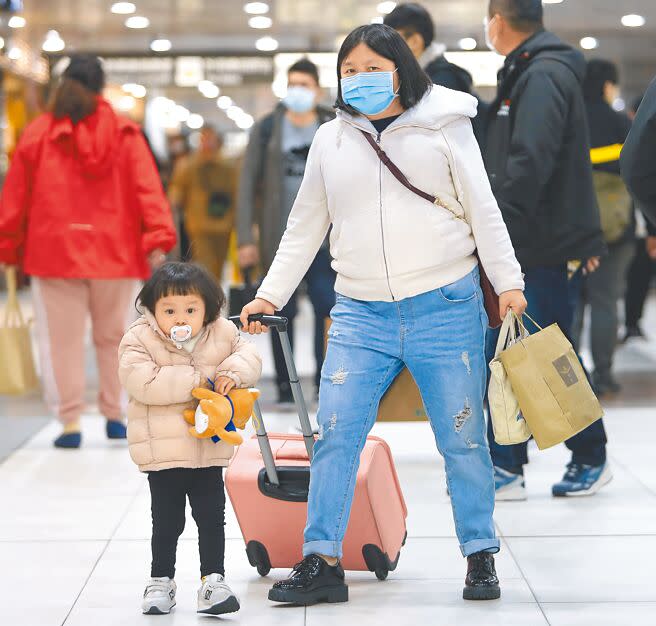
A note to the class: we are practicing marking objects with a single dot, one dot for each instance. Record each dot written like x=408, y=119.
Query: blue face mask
x=299, y=99
x=369, y=92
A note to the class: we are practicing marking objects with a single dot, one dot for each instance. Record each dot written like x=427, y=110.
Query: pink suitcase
x=268, y=481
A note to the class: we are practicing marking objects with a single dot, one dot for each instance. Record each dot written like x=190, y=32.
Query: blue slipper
x=68, y=440
x=116, y=430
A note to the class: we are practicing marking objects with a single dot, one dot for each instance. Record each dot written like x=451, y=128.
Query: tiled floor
x=74, y=534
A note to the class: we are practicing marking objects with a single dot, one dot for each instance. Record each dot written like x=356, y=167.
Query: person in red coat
x=83, y=212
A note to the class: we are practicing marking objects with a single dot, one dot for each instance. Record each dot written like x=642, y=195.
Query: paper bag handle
x=12, y=310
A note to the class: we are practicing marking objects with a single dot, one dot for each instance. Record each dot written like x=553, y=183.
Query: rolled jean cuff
x=326, y=548
x=480, y=545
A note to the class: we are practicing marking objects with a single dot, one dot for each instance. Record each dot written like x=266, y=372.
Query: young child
x=177, y=345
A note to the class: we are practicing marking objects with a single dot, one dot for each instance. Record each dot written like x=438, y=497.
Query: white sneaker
x=159, y=597
x=215, y=597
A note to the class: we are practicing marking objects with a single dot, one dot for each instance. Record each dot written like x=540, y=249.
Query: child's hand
x=224, y=385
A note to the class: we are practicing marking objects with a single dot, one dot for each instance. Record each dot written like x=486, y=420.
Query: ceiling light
x=245, y=121
x=2, y=43
x=551, y=1
x=589, y=43
x=234, y=112
x=256, y=8
x=386, y=7
x=633, y=21
x=53, y=42
x=266, y=44
x=468, y=43
x=14, y=54
x=137, y=21
x=181, y=113
x=123, y=8
x=224, y=102
x=126, y=103
x=377, y=20
x=211, y=92
x=195, y=121
x=16, y=21
x=160, y=45
x=260, y=21
x=138, y=91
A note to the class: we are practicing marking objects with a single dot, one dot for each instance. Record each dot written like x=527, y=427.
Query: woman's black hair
x=183, y=279
x=384, y=40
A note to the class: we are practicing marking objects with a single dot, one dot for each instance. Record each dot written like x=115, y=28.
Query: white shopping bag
x=508, y=422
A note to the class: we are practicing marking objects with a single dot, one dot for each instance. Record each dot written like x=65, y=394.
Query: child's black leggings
x=169, y=490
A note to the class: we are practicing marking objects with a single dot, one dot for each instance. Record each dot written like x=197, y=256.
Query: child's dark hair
x=181, y=279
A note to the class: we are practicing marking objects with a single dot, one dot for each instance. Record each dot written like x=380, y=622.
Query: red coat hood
x=95, y=138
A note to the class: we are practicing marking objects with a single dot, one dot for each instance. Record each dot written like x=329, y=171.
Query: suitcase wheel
x=263, y=570
x=378, y=561
x=258, y=557
x=381, y=574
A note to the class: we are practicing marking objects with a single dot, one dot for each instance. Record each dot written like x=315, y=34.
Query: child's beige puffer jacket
x=159, y=378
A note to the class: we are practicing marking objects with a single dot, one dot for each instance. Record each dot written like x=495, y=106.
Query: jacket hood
x=96, y=138
x=439, y=107
x=434, y=51
x=546, y=45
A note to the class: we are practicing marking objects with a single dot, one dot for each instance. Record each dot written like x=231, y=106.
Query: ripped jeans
x=440, y=337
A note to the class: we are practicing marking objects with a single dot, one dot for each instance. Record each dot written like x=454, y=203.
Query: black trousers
x=320, y=280
x=168, y=491
x=640, y=275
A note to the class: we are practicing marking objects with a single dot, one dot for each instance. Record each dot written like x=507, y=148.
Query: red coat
x=83, y=201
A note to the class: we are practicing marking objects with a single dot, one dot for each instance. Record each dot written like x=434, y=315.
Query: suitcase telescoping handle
x=280, y=324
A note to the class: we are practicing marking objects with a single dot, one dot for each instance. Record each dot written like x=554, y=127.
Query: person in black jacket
x=604, y=288
x=643, y=267
x=538, y=161
x=638, y=161
x=415, y=24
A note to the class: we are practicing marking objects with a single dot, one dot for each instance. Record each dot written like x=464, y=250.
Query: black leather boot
x=481, y=582
x=311, y=581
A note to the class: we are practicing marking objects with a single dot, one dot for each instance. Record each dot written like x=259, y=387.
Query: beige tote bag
x=508, y=423
x=17, y=373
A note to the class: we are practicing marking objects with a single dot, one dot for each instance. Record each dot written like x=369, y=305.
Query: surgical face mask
x=369, y=92
x=299, y=99
x=487, y=22
x=181, y=334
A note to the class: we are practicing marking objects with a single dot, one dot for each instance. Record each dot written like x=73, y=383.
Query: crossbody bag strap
x=401, y=177
x=396, y=172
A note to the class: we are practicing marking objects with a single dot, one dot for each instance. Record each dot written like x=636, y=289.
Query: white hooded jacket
x=388, y=243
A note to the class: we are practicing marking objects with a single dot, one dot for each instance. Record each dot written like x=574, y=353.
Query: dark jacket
x=537, y=155
x=638, y=161
x=259, y=199
x=608, y=128
x=447, y=74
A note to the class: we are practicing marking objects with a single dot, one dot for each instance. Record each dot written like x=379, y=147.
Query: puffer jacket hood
x=159, y=378
x=437, y=109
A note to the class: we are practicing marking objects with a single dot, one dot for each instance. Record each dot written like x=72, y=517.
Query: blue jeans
x=440, y=337
x=551, y=299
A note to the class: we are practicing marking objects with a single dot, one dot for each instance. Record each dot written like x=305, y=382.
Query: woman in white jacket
x=408, y=294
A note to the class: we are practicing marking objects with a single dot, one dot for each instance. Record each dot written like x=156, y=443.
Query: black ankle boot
x=311, y=581
x=481, y=582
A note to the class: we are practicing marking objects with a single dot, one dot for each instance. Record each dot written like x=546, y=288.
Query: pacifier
x=180, y=334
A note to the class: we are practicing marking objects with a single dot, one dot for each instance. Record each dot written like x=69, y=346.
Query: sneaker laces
x=573, y=471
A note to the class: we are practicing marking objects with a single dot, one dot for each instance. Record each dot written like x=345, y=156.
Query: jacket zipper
x=382, y=228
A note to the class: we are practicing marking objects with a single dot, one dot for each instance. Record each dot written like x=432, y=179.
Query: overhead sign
x=188, y=71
